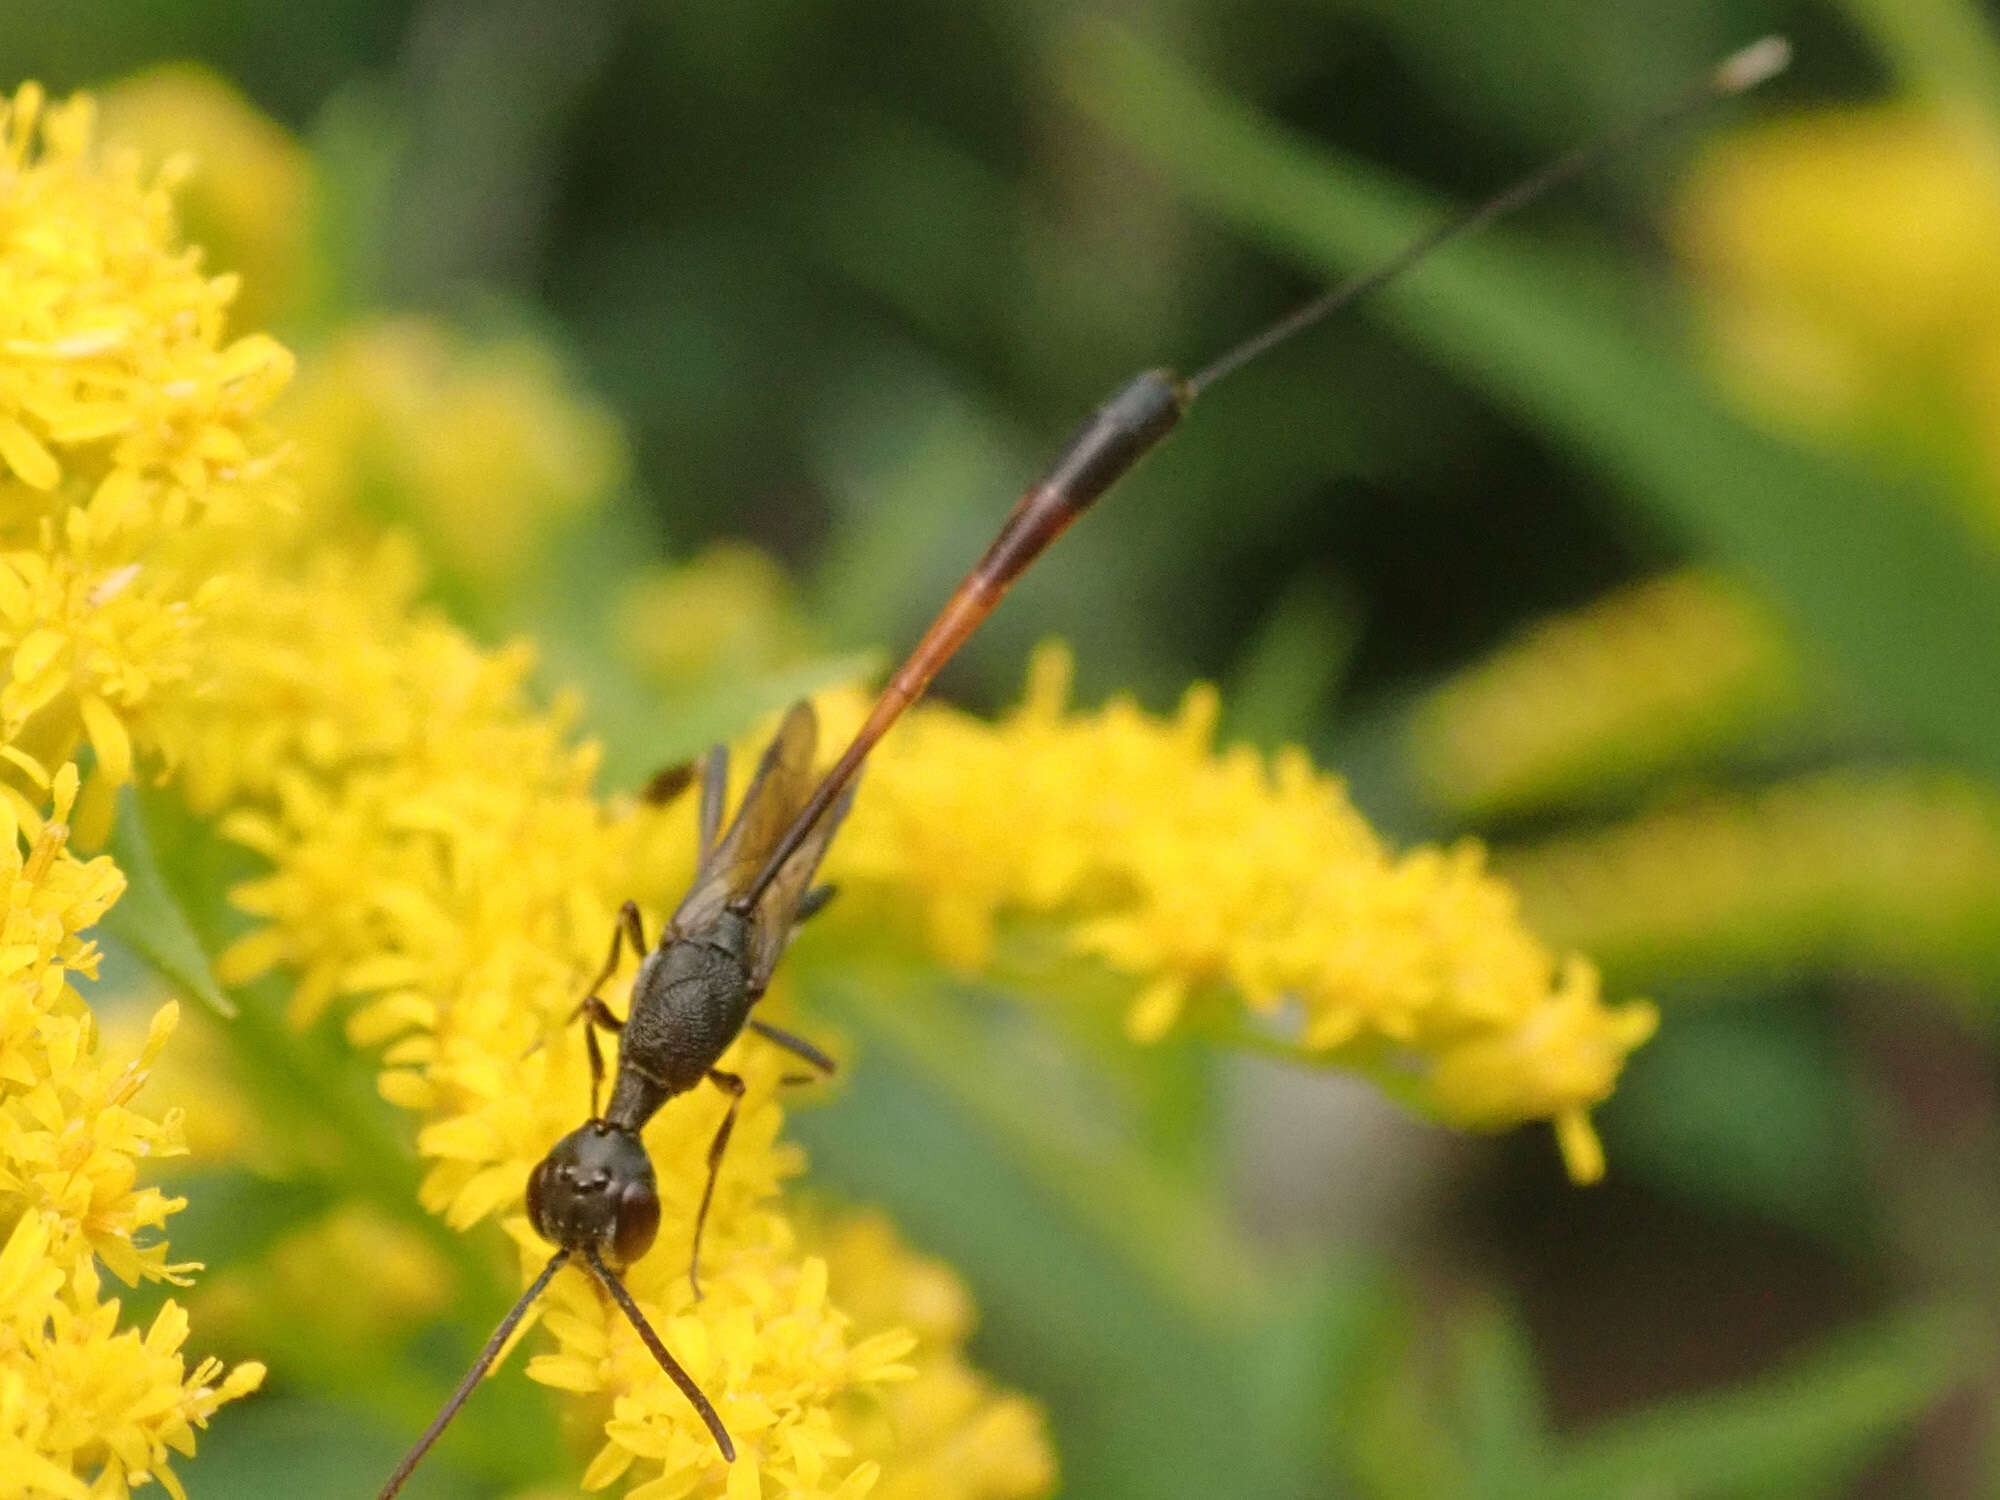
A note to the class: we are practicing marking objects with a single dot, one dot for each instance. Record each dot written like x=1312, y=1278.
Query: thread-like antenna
x=1739, y=71
x=1137, y=417
x=668, y=1363
x=474, y=1375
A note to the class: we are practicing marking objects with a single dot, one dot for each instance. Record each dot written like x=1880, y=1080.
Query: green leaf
x=1392, y=1440
x=1902, y=598
x=1802, y=1427
x=1294, y=665
x=311, y=1450
x=1169, y=1358
x=1500, y=1417
x=149, y=921
x=1748, y=1111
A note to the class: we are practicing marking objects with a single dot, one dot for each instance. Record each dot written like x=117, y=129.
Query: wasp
x=593, y=1196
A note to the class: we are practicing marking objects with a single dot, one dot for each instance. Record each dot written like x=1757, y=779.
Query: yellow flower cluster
x=441, y=869
x=482, y=448
x=80, y=1395
x=945, y=1434
x=1647, y=678
x=77, y=1395
x=129, y=438
x=436, y=854
x=1191, y=870
x=1892, y=871
x=127, y=430
x=247, y=196
x=1854, y=262
x=434, y=844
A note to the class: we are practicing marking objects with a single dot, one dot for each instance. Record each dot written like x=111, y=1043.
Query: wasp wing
x=783, y=782
x=777, y=908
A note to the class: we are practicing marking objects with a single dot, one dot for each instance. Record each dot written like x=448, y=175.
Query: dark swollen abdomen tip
x=1123, y=430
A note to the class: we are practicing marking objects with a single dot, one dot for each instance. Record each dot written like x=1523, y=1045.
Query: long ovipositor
x=1149, y=406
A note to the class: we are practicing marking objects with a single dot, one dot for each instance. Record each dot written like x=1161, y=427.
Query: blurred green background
x=1725, y=413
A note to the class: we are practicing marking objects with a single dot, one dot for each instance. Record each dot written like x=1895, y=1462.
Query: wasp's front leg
x=592, y=1010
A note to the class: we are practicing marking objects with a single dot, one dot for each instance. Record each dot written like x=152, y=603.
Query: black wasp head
x=594, y=1190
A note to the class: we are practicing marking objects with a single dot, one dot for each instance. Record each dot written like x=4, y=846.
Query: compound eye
x=636, y=1222
x=537, y=1194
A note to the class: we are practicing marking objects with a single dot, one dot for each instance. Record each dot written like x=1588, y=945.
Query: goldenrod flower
x=946, y=1433
x=246, y=193
x=1191, y=871
x=79, y=1397
x=1649, y=677
x=195, y=1080
x=440, y=867
x=1893, y=871
x=69, y=1142
x=483, y=448
x=126, y=421
x=444, y=865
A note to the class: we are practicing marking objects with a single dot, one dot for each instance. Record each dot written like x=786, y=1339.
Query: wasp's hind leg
x=799, y=1047
x=733, y=1086
x=666, y=784
x=814, y=902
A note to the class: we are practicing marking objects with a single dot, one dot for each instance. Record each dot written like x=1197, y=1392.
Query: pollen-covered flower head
x=130, y=437
x=81, y=1398
x=483, y=448
x=1201, y=874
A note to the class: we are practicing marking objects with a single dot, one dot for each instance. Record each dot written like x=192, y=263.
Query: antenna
x=474, y=1375
x=668, y=1363
x=609, y=1279
x=1149, y=406
x=1759, y=61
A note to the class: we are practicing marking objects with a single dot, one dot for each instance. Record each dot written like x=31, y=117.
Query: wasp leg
x=814, y=902
x=595, y=1014
x=591, y=1010
x=733, y=1086
x=798, y=1046
x=629, y=928
x=714, y=787
x=667, y=783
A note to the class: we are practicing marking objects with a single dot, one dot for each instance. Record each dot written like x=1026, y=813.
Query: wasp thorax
x=594, y=1190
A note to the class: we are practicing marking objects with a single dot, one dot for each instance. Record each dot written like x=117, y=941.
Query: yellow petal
x=1582, y=1152
x=25, y=455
